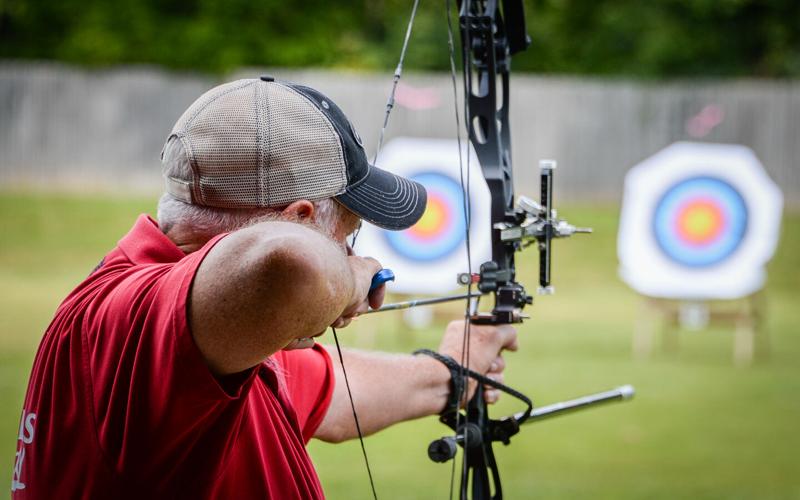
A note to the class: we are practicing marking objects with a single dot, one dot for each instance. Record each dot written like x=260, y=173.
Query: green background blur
x=698, y=427
x=653, y=38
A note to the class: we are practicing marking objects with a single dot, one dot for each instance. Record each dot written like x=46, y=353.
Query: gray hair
x=214, y=220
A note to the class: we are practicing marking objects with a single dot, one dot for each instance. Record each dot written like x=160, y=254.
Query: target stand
x=668, y=319
x=699, y=223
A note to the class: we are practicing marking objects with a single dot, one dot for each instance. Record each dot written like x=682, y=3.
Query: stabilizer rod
x=622, y=393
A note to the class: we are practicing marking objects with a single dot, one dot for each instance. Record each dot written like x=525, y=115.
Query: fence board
x=67, y=126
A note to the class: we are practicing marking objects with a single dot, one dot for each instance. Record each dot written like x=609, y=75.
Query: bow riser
x=487, y=58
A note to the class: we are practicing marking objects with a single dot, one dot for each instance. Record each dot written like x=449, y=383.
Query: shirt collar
x=145, y=243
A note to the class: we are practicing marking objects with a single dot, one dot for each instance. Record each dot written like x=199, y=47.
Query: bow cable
x=467, y=209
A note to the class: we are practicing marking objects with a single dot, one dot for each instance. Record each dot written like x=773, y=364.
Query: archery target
x=427, y=257
x=699, y=221
x=442, y=228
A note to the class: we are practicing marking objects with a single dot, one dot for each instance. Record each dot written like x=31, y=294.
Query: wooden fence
x=63, y=126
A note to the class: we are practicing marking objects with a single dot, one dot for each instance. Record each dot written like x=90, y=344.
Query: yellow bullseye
x=700, y=222
x=432, y=220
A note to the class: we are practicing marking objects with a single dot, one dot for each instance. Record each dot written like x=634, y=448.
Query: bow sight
x=532, y=223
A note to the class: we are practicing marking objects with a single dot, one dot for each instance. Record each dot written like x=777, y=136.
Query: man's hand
x=487, y=342
x=394, y=388
x=363, y=269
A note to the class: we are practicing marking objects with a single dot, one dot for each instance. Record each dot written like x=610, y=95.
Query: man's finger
x=498, y=365
x=508, y=337
x=341, y=322
x=361, y=309
x=372, y=265
x=497, y=377
x=303, y=343
x=376, y=297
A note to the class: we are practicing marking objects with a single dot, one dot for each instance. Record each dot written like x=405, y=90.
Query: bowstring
x=355, y=415
x=466, y=206
x=465, y=352
x=398, y=72
x=389, y=105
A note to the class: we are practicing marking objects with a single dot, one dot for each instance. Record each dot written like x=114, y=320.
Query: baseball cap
x=266, y=143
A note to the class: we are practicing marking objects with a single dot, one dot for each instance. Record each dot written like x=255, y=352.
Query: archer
x=186, y=365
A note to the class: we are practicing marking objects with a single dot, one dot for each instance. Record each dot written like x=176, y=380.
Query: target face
x=700, y=221
x=427, y=257
x=441, y=229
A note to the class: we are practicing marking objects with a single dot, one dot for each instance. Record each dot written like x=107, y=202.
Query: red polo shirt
x=120, y=402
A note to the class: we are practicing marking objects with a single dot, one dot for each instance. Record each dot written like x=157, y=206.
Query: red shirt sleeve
x=309, y=381
x=152, y=394
x=121, y=404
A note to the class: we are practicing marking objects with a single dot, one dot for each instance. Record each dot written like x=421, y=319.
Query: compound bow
x=492, y=31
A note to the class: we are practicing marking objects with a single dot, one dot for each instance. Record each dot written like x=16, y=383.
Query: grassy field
x=698, y=428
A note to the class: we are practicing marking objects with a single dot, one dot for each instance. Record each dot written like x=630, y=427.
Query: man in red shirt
x=185, y=365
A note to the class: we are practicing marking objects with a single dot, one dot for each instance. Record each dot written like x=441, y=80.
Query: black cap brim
x=386, y=200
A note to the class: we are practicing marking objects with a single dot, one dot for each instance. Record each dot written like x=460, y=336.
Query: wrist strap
x=457, y=378
x=458, y=375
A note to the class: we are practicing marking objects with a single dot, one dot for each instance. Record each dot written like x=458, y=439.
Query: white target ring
x=699, y=221
x=428, y=257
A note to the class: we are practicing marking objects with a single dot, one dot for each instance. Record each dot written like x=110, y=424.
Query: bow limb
x=486, y=48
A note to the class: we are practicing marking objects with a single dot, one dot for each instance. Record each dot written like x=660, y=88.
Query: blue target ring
x=441, y=229
x=700, y=221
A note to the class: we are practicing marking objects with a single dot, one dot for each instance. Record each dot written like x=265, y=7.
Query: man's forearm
x=387, y=388
x=250, y=294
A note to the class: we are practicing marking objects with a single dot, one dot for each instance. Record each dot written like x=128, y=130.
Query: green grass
x=698, y=428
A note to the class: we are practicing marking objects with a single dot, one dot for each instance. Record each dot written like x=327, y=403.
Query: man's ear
x=301, y=209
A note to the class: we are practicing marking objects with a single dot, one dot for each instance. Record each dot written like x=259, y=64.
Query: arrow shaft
x=423, y=302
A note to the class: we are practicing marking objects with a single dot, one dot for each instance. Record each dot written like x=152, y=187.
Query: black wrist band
x=457, y=380
x=458, y=375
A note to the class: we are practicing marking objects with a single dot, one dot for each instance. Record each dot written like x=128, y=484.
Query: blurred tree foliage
x=646, y=38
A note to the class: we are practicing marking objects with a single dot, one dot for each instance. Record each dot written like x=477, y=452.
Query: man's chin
x=304, y=343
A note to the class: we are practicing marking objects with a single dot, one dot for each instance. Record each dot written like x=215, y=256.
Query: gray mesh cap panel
x=224, y=143
x=304, y=157
x=260, y=143
x=253, y=143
